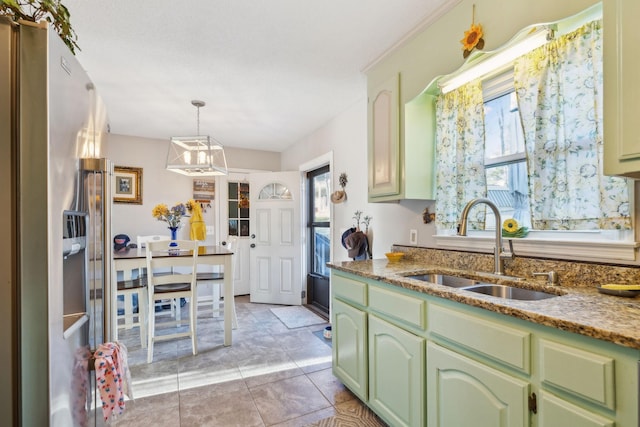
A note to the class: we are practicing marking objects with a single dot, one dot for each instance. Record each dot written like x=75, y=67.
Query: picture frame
x=128, y=185
x=204, y=189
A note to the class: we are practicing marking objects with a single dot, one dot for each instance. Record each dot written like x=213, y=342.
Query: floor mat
x=320, y=335
x=359, y=416
x=296, y=316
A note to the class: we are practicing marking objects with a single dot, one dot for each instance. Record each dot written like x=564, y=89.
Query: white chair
x=128, y=287
x=142, y=243
x=216, y=280
x=180, y=282
x=142, y=240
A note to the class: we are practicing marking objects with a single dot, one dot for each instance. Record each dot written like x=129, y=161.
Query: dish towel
x=113, y=378
x=198, y=227
x=80, y=386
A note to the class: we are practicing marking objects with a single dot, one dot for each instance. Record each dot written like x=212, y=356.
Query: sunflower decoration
x=511, y=228
x=473, y=37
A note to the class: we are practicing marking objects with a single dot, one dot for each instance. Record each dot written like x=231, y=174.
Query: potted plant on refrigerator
x=51, y=11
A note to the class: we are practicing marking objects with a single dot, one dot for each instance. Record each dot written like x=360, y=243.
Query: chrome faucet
x=498, y=251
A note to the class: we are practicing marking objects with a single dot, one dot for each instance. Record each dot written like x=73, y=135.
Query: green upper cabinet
x=400, y=152
x=621, y=88
x=384, y=141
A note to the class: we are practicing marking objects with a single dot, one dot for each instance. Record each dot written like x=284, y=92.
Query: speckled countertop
x=582, y=310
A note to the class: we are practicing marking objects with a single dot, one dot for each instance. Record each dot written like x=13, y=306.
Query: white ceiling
x=271, y=72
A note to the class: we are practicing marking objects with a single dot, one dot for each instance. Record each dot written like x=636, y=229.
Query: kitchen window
x=504, y=152
x=530, y=140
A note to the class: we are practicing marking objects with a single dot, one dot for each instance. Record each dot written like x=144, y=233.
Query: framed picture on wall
x=204, y=189
x=128, y=185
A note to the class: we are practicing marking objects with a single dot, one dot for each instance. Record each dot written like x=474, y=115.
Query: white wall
x=162, y=186
x=346, y=136
x=158, y=185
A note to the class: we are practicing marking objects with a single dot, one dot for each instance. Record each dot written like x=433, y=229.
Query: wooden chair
x=142, y=243
x=143, y=240
x=180, y=282
x=127, y=288
x=130, y=286
x=216, y=280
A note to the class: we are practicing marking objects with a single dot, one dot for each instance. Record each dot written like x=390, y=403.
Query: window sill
x=578, y=250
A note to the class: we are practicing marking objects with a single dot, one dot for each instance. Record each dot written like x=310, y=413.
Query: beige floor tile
x=226, y=404
x=285, y=400
x=270, y=376
x=332, y=389
x=159, y=410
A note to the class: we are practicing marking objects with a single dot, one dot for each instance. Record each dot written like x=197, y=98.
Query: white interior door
x=275, y=238
x=241, y=273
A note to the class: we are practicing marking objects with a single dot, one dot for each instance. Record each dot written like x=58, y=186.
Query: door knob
x=253, y=236
x=253, y=245
x=224, y=243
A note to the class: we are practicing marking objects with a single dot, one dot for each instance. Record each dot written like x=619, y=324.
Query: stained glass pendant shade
x=196, y=155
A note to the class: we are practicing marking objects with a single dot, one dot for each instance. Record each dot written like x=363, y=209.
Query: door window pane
x=238, y=208
x=321, y=189
x=321, y=248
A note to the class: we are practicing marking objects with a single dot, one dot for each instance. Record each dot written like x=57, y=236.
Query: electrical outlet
x=413, y=237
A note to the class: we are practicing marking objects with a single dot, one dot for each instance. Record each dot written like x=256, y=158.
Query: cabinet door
x=463, y=392
x=621, y=89
x=349, y=332
x=555, y=412
x=384, y=141
x=396, y=374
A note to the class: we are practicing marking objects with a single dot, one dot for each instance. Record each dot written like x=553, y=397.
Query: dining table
x=132, y=259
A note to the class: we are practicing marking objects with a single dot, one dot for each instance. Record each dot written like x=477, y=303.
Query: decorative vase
x=174, y=236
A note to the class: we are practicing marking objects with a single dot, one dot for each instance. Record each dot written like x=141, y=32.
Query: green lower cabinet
x=555, y=412
x=419, y=360
x=350, y=347
x=463, y=392
x=396, y=374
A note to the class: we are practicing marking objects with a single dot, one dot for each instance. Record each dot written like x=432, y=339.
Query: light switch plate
x=413, y=237
x=210, y=230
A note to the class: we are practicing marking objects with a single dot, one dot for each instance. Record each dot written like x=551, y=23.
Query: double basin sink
x=483, y=287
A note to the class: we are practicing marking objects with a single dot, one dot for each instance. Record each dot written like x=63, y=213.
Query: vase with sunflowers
x=172, y=216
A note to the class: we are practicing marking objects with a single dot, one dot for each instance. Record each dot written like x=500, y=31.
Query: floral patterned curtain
x=460, y=174
x=559, y=89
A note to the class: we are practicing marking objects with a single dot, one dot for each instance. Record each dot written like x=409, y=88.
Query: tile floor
x=270, y=376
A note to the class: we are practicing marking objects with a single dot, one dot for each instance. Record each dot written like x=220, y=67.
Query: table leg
x=228, y=297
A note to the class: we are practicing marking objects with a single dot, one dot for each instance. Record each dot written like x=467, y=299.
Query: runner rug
x=297, y=316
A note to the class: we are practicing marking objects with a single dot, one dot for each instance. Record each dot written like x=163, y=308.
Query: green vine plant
x=53, y=11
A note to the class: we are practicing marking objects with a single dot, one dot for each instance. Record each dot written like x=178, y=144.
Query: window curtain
x=559, y=90
x=460, y=174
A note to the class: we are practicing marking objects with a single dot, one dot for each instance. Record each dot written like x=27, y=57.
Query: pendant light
x=196, y=155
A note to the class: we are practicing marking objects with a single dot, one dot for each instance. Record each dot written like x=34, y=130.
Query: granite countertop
x=581, y=310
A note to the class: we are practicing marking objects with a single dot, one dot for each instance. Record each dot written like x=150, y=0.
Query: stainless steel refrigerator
x=56, y=203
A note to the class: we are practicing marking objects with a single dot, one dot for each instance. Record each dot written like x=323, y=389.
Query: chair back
x=180, y=260
x=142, y=240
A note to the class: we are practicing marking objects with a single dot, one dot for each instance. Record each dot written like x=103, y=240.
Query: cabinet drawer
x=350, y=289
x=557, y=412
x=577, y=372
x=502, y=343
x=409, y=310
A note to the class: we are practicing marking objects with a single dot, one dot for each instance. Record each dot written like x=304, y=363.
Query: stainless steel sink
x=446, y=280
x=483, y=287
x=509, y=292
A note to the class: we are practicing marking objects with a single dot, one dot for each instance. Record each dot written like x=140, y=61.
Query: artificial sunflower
x=510, y=225
x=472, y=39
